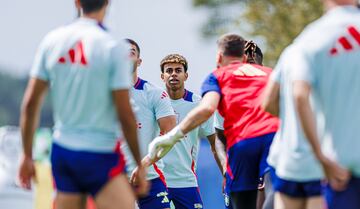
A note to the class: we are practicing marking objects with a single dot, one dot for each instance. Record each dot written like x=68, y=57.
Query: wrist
x=176, y=134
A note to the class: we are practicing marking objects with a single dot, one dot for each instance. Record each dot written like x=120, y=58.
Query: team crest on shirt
x=164, y=195
x=198, y=205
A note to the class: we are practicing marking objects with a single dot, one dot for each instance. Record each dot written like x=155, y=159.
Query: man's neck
x=98, y=16
x=330, y=4
x=229, y=60
x=135, y=77
x=177, y=94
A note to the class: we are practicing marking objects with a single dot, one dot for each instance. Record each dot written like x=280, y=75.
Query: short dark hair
x=89, y=6
x=232, y=45
x=253, y=53
x=132, y=42
x=174, y=58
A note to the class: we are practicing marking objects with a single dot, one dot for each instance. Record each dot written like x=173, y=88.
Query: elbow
x=208, y=111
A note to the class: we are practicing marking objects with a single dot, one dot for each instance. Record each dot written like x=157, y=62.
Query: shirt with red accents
x=241, y=87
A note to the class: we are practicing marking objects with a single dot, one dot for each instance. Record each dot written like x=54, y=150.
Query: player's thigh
x=283, y=201
x=316, y=202
x=69, y=200
x=116, y=194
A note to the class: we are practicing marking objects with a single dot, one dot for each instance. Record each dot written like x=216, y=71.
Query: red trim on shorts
x=119, y=168
x=160, y=173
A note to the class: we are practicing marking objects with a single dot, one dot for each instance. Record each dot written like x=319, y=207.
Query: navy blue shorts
x=227, y=199
x=186, y=198
x=158, y=196
x=247, y=163
x=348, y=199
x=296, y=189
x=82, y=171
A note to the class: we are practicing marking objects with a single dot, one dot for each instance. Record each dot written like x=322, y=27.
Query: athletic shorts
x=227, y=199
x=158, y=197
x=83, y=171
x=186, y=198
x=294, y=188
x=347, y=199
x=247, y=163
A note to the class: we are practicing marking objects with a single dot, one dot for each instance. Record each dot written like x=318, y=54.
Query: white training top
x=83, y=64
x=151, y=103
x=290, y=153
x=180, y=162
x=329, y=60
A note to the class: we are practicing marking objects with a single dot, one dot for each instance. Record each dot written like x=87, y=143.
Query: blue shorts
x=83, y=171
x=348, y=199
x=158, y=196
x=227, y=199
x=247, y=163
x=186, y=198
x=296, y=189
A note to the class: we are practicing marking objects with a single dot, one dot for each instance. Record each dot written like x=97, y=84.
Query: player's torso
x=78, y=63
x=180, y=162
x=337, y=79
x=241, y=87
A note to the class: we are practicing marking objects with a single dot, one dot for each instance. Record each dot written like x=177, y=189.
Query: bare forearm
x=195, y=118
x=28, y=123
x=307, y=119
x=220, y=156
x=130, y=133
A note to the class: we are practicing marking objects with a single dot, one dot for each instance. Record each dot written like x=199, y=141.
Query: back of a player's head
x=231, y=45
x=173, y=58
x=253, y=53
x=89, y=6
x=132, y=42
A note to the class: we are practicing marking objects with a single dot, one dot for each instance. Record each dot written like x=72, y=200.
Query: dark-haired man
x=234, y=89
x=154, y=115
x=89, y=74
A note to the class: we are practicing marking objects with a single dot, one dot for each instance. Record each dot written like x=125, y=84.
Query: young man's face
x=134, y=56
x=174, y=76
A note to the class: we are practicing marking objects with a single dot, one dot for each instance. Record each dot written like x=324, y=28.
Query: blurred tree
x=11, y=94
x=272, y=23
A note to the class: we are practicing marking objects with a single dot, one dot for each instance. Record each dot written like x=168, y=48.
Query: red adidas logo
x=75, y=55
x=164, y=95
x=345, y=42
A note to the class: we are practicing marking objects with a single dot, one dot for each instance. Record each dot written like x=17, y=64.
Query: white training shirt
x=83, y=64
x=329, y=60
x=180, y=162
x=151, y=104
x=290, y=153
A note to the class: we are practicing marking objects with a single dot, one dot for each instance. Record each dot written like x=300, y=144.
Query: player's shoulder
x=150, y=88
x=189, y=96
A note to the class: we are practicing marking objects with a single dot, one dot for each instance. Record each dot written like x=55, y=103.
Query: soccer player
x=235, y=90
x=326, y=66
x=88, y=74
x=154, y=115
x=180, y=162
x=297, y=172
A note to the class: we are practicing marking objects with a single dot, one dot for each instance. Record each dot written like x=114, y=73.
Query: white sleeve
x=120, y=72
x=218, y=121
x=38, y=69
x=207, y=128
x=162, y=104
x=303, y=67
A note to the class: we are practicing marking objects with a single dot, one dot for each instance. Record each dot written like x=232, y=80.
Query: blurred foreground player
x=89, y=75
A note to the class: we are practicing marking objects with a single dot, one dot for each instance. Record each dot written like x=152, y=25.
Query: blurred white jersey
x=151, y=103
x=11, y=195
x=180, y=162
x=83, y=64
x=328, y=59
x=290, y=153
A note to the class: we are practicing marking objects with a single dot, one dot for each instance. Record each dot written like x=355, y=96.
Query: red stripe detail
x=62, y=60
x=72, y=55
x=161, y=175
x=81, y=54
x=229, y=171
x=119, y=168
x=354, y=33
x=137, y=83
x=333, y=51
x=345, y=43
x=193, y=168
